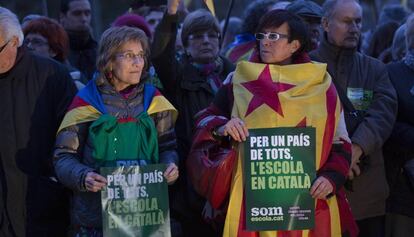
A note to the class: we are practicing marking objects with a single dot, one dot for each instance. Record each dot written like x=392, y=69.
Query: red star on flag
x=265, y=91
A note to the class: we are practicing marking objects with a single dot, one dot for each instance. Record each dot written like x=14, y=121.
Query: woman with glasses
x=46, y=37
x=190, y=81
x=119, y=109
x=280, y=87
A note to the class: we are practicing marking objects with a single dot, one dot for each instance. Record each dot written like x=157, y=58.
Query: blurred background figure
x=399, y=150
x=311, y=13
x=244, y=43
x=389, y=13
x=381, y=42
x=280, y=5
x=398, y=44
x=28, y=18
x=233, y=29
x=75, y=17
x=46, y=37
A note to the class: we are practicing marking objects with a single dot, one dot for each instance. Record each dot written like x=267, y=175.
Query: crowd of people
x=71, y=105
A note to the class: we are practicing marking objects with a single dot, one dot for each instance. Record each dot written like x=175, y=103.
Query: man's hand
x=356, y=155
x=172, y=6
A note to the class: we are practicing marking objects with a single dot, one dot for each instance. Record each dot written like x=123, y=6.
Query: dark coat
x=82, y=54
x=400, y=146
x=34, y=95
x=366, y=83
x=183, y=85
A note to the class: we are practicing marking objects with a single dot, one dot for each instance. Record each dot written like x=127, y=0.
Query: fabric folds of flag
x=241, y=49
x=286, y=96
x=87, y=106
x=210, y=5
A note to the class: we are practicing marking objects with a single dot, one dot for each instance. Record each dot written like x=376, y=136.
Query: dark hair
x=64, y=5
x=297, y=28
x=198, y=21
x=253, y=13
x=54, y=33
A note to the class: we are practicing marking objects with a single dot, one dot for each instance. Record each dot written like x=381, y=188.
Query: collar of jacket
x=21, y=51
x=80, y=40
x=192, y=80
x=105, y=87
x=332, y=52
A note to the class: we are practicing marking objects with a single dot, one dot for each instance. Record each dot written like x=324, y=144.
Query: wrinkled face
x=277, y=51
x=8, y=53
x=127, y=65
x=153, y=19
x=38, y=44
x=78, y=17
x=203, y=47
x=344, y=26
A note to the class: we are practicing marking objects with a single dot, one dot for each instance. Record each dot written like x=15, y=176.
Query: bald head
x=342, y=22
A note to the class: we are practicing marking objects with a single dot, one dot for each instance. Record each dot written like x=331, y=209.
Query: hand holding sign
x=171, y=173
x=94, y=182
x=235, y=128
x=321, y=188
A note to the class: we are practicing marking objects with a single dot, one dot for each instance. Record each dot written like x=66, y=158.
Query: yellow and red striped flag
x=295, y=95
x=210, y=5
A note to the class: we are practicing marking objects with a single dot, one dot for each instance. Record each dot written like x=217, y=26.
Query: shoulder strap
x=348, y=106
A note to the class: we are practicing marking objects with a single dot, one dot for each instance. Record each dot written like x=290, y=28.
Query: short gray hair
x=328, y=7
x=10, y=26
x=409, y=32
x=112, y=40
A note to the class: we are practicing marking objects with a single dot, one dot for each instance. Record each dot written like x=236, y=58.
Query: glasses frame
x=262, y=36
x=139, y=56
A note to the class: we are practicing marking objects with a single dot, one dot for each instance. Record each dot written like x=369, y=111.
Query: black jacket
x=400, y=146
x=34, y=95
x=82, y=54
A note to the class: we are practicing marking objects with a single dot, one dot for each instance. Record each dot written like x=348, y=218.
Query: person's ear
x=15, y=41
x=294, y=46
x=325, y=24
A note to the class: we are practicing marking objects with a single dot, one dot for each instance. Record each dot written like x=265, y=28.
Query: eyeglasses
x=200, y=37
x=272, y=36
x=130, y=57
x=4, y=46
x=34, y=42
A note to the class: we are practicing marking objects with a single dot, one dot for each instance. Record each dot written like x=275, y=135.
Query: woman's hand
x=172, y=6
x=234, y=128
x=94, y=182
x=321, y=188
x=171, y=173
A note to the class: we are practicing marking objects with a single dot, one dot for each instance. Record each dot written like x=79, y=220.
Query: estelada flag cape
x=295, y=95
x=88, y=106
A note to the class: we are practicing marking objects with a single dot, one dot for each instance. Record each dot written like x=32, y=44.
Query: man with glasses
x=75, y=17
x=370, y=104
x=34, y=94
